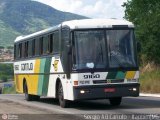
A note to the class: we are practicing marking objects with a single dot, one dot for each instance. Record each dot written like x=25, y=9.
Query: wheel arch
x=24, y=82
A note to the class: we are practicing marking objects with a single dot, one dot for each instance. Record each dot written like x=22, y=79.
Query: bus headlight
x=82, y=91
x=134, y=89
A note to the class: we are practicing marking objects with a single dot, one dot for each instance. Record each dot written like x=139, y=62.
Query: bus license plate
x=109, y=90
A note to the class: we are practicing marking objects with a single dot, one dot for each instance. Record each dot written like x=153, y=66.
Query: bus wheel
x=115, y=101
x=35, y=97
x=28, y=97
x=63, y=103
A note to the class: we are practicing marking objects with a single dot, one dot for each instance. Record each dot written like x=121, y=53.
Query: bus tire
x=115, y=101
x=28, y=97
x=63, y=103
x=35, y=97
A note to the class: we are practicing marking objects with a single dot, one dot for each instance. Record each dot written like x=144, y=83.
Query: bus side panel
x=34, y=78
x=18, y=83
x=32, y=83
x=43, y=79
x=57, y=69
x=19, y=79
x=52, y=86
x=31, y=76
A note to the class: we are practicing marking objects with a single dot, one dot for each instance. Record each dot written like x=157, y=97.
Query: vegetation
x=145, y=14
x=9, y=90
x=6, y=72
x=150, y=81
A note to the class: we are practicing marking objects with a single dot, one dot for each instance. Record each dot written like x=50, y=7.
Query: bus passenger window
x=41, y=45
x=26, y=49
x=46, y=45
x=51, y=43
x=33, y=47
x=23, y=50
x=56, y=42
x=30, y=49
x=20, y=50
x=37, y=47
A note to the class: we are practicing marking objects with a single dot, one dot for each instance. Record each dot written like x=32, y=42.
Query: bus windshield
x=90, y=49
x=104, y=48
x=121, y=49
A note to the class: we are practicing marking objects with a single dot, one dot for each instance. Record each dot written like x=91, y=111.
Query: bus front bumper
x=106, y=91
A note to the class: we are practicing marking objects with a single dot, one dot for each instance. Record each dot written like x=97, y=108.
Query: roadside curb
x=149, y=95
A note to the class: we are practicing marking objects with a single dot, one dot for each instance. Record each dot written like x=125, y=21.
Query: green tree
x=4, y=78
x=145, y=14
x=10, y=47
x=6, y=71
x=1, y=47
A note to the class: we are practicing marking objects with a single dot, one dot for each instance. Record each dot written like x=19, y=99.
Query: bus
x=78, y=60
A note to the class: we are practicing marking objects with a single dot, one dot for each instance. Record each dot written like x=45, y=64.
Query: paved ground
x=144, y=107
x=14, y=110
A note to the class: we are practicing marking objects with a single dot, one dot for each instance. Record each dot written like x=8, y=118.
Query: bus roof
x=81, y=24
x=20, y=38
x=96, y=23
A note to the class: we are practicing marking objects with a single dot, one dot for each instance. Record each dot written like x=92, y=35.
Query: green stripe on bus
x=120, y=75
x=41, y=77
x=46, y=77
x=111, y=75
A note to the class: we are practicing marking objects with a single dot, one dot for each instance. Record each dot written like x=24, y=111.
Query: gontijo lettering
x=26, y=66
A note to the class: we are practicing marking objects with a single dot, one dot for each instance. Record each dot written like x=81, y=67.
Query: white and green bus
x=78, y=59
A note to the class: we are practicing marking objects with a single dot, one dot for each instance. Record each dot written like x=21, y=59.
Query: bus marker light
x=109, y=90
x=75, y=82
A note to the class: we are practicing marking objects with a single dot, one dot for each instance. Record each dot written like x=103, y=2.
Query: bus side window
x=26, y=49
x=51, y=43
x=19, y=50
x=41, y=45
x=23, y=50
x=37, y=47
x=56, y=42
x=33, y=47
x=46, y=45
x=30, y=49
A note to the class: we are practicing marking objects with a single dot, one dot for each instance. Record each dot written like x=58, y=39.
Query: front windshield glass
x=121, y=48
x=90, y=49
x=103, y=49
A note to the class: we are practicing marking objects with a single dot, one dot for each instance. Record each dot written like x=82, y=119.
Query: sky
x=89, y=8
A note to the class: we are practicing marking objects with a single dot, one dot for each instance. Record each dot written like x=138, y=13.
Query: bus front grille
x=108, y=81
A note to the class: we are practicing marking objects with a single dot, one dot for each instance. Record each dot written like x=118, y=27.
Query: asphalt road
x=139, y=108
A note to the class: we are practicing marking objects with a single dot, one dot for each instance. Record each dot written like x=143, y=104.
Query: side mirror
x=138, y=47
x=68, y=60
x=69, y=49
